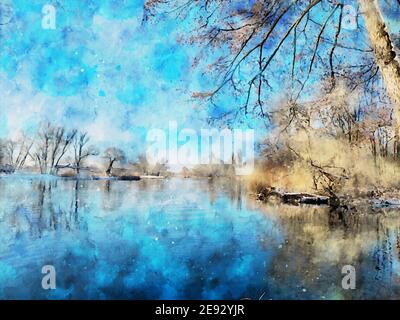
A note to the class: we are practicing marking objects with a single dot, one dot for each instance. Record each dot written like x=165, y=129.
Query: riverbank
x=350, y=179
x=31, y=175
x=357, y=201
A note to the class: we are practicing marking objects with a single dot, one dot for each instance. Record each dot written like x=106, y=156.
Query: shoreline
x=94, y=178
x=353, y=201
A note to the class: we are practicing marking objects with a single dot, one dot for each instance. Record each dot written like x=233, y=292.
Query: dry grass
x=353, y=168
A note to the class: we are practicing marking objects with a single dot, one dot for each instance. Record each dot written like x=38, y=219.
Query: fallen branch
x=292, y=197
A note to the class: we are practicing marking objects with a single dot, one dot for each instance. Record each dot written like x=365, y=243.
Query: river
x=185, y=239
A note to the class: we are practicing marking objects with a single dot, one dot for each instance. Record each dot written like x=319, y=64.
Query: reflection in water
x=185, y=239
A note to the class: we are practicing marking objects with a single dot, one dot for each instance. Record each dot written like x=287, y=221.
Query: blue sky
x=100, y=70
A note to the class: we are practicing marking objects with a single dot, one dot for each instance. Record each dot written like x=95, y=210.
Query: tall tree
x=81, y=150
x=17, y=151
x=256, y=41
x=52, y=144
x=113, y=155
x=385, y=56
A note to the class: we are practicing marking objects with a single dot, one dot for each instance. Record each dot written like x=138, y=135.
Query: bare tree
x=42, y=147
x=113, y=155
x=63, y=140
x=81, y=150
x=51, y=146
x=256, y=40
x=2, y=151
x=16, y=152
x=142, y=166
x=385, y=57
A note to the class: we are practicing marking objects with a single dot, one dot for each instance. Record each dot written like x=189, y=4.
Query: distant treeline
x=53, y=148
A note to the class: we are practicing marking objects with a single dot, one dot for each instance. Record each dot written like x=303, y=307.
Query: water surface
x=185, y=239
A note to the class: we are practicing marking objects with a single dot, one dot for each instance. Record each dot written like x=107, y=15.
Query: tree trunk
x=109, y=169
x=385, y=57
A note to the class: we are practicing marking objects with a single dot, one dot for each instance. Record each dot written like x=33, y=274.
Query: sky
x=100, y=70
